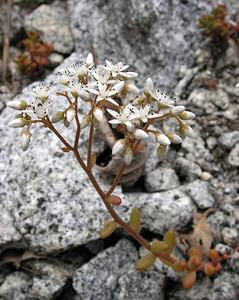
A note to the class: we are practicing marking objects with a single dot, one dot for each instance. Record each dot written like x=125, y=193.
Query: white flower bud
x=26, y=137
x=187, y=130
x=58, y=116
x=176, y=110
x=237, y=85
x=98, y=114
x=86, y=121
x=162, y=152
x=162, y=139
x=128, y=155
x=89, y=60
x=18, y=122
x=118, y=146
x=148, y=87
x=70, y=114
x=141, y=134
x=17, y=104
x=187, y=115
x=174, y=138
x=84, y=95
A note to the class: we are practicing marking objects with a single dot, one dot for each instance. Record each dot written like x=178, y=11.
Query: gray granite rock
x=45, y=283
x=230, y=236
x=187, y=170
x=52, y=22
x=225, y=287
x=141, y=285
x=117, y=279
x=158, y=36
x=208, y=100
x=233, y=158
x=199, y=193
x=16, y=286
x=161, y=179
x=228, y=139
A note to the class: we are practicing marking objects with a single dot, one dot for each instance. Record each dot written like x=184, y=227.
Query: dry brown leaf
x=202, y=235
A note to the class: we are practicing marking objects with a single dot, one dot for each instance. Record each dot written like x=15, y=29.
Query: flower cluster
x=108, y=90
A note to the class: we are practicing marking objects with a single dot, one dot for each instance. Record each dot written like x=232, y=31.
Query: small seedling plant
x=108, y=91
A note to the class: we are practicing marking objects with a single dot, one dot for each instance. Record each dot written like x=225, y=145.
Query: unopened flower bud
x=187, y=115
x=70, y=114
x=26, y=137
x=174, y=138
x=187, y=130
x=237, y=85
x=176, y=110
x=17, y=104
x=161, y=151
x=118, y=146
x=141, y=134
x=84, y=95
x=162, y=139
x=128, y=155
x=18, y=122
x=86, y=121
x=58, y=116
x=148, y=87
x=98, y=114
x=89, y=61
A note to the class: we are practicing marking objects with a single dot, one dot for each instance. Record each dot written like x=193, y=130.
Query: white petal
x=89, y=60
x=112, y=101
x=118, y=146
x=118, y=87
x=113, y=113
x=115, y=121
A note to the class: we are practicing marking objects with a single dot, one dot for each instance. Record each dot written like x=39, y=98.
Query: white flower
x=119, y=70
x=17, y=104
x=103, y=75
x=118, y=146
x=141, y=113
x=106, y=93
x=163, y=99
x=140, y=134
x=64, y=77
x=123, y=117
x=42, y=92
x=38, y=108
x=26, y=138
x=18, y=122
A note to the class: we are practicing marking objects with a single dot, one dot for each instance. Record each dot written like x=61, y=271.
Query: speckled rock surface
x=121, y=29
x=161, y=179
x=117, y=278
x=47, y=19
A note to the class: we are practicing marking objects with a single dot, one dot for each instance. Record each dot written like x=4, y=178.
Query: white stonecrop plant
x=103, y=88
x=107, y=92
